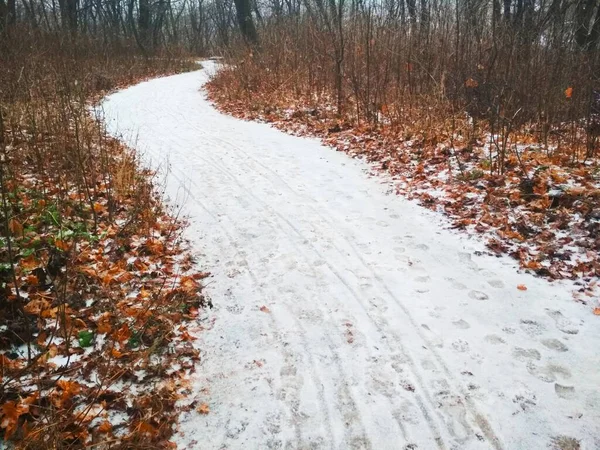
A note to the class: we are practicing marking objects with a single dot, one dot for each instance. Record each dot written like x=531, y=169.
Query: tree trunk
x=144, y=21
x=72, y=6
x=594, y=36
x=507, y=10
x=412, y=10
x=68, y=14
x=424, y=19
x=245, y=22
x=3, y=15
x=11, y=18
x=30, y=12
x=583, y=18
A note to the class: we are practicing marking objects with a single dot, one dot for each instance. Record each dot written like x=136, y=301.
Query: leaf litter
x=95, y=345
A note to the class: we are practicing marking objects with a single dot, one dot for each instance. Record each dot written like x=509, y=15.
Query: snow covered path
x=380, y=329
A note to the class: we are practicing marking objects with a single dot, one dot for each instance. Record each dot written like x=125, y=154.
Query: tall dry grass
x=453, y=70
x=65, y=188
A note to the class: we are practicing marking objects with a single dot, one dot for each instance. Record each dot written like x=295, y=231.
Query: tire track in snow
x=350, y=402
x=427, y=411
x=477, y=416
x=275, y=326
x=300, y=227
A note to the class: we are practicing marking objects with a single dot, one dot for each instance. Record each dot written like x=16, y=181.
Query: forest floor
x=347, y=316
x=97, y=285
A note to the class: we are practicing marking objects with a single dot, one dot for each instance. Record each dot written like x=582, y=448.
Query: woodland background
x=493, y=106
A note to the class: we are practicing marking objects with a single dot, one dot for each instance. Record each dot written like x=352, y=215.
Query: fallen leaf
x=265, y=309
x=203, y=409
x=9, y=414
x=62, y=245
x=145, y=427
x=471, y=83
x=155, y=247
x=105, y=427
x=103, y=323
x=99, y=208
x=29, y=263
x=533, y=265
x=522, y=287
x=569, y=92
x=189, y=284
x=201, y=275
x=597, y=311
x=15, y=227
x=69, y=387
x=185, y=336
x=7, y=363
x=35, y=307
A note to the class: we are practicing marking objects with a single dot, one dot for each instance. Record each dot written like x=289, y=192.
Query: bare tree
x=245, y=21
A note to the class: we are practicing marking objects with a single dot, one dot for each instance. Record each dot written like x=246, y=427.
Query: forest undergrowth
x=97, y=284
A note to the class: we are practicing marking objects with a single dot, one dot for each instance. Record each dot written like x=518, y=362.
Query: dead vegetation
x=97, y=285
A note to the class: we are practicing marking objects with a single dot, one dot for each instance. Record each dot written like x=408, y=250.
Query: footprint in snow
x=428, y=364
x=437, y=312
x=466, y=259
x=564, y=443
x=554, y=344
x=407, y=412
x=404, y=259
x=478, y=295
x=288, y=370
x=494, y=339
x=526, y=400
x=235, y=309
x=548, y=373
x=526, y=354
x=462, y=324
x=531, y=327
x=423, y=247
x=456, y=284
x=563, y=324
x=564, y=391
x=460, y=346
x=498, y=284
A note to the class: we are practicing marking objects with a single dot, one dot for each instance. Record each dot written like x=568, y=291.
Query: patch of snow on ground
x=346, y=317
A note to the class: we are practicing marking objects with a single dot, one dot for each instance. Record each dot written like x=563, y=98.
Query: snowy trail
x=383, y=329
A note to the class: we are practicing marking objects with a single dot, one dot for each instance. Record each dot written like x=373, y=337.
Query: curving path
x=348, y=318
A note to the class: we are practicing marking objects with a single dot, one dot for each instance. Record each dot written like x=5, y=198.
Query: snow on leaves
x=95, y=310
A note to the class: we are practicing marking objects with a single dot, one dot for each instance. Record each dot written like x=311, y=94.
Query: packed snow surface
x=347, y=317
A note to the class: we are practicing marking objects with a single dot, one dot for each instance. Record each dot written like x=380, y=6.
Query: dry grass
x=77, y=209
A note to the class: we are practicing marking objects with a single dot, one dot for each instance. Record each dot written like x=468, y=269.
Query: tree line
x=504, y=61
